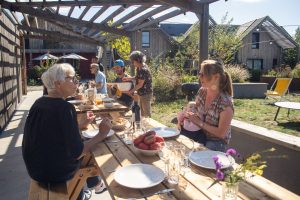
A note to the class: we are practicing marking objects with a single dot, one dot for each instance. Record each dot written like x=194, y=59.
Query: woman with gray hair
x=143, y=82
x=52, y=147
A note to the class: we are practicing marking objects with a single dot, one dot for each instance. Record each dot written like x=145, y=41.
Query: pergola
x=136, y=14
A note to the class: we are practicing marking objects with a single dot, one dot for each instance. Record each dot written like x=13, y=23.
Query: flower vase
x=230, y=191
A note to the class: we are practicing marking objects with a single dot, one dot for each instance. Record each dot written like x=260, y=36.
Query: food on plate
x=149, y=141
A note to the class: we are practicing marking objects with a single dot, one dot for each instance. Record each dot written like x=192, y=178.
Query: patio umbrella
x=46, y=56
x=73, y=56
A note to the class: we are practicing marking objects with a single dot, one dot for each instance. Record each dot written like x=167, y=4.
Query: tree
x=297, y=35
x=223, y=41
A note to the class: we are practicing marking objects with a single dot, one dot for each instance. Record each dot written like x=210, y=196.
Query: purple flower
x=231, y=152
x=220, y=175
x=215, y=158
x=218, y=165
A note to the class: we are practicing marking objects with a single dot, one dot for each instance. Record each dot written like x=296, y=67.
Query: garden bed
x=249, y=90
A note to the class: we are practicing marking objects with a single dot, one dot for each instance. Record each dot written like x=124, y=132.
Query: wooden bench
x=65, y=191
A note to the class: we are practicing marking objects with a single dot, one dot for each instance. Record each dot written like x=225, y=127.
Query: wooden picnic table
x=117, y=107
x=193, y=184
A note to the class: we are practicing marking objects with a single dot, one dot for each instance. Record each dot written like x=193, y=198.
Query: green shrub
x=35, y=73
x=166, y=83
x=271, y=73
x=31, y=82
x=255, y=74
x=282, y=72
x=238, y=73
x=187, y=78
x=296, y=71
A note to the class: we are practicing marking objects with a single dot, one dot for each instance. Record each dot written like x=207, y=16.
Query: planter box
x=284, y=169
x=249, y=90
x=294, y=86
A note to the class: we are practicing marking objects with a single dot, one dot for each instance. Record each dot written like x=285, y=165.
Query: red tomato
x=150, y=133
x=143, y=146
x=155, y=146
x=138, y=140
x=149, y=139
x=159, y=139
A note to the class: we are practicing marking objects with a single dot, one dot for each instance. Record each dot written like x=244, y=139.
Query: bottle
x=136, y=111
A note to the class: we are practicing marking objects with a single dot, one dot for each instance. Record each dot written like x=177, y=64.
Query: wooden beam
x=58, y=34
x=203, y=36
x=113, y=14
x=100, y=11
x=57, y=10
x=64, y=19
x=71, y=11
x=140, y=19
x=157, y=20
x=87, y=8
x=192, y=6
x=88, y=3
x=130, y=15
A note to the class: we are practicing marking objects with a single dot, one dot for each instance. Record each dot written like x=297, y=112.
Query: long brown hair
x=211, y=67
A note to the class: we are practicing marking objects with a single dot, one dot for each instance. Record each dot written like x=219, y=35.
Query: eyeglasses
x=72, y=79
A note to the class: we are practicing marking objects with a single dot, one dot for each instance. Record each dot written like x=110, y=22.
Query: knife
x=159, y=192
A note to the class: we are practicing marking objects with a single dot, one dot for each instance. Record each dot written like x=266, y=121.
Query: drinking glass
x=128, y=137
x=174, y=164
x=186, y=147
x=164, y=155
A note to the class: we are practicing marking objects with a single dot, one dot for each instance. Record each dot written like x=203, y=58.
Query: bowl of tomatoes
x=149, y=143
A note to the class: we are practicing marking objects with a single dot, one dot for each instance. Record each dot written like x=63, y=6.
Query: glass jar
x=230, y=191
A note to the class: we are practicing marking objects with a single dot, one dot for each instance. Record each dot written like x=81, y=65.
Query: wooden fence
x=10, y=69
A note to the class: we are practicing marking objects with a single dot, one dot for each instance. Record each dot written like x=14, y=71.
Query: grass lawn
x=254, y=111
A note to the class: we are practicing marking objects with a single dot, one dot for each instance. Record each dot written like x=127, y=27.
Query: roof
x=175, y=29
x=276, y=32
x=90, y=18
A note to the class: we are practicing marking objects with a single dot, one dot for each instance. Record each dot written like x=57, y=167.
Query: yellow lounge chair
x=281, y=87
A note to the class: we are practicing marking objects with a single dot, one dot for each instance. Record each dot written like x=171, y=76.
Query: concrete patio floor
x=14, y=179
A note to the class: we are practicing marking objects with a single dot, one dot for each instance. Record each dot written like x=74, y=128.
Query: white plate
x=94, y=132
x=76, y=102
x=107, y=99
x=139, y=176
x=166, y=132
x=205, y=159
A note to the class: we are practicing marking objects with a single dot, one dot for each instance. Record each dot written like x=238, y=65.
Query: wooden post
x=132, y=48
x=203, y=26
x=23, y=66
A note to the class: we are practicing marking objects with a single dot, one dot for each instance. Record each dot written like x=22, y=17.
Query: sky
x=285, y=13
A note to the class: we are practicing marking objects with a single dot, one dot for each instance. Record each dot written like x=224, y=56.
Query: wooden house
x=263, y=42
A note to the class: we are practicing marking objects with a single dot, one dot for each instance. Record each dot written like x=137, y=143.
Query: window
x=255, y=40
x=255, y=64
x=145, y=39
x=274, y=62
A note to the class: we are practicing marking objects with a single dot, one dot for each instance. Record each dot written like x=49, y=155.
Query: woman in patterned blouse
x=143, y=80
x=215, y=107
